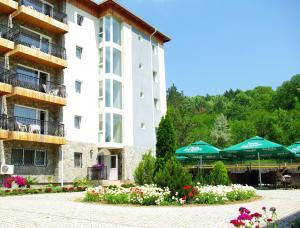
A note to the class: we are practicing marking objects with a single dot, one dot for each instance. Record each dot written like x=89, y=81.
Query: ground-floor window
x=78, y=160
x=28, y=157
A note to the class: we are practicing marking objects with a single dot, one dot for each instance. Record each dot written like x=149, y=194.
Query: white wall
x=85, y=70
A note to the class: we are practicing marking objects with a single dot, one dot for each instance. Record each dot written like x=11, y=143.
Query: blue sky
x=217, y=45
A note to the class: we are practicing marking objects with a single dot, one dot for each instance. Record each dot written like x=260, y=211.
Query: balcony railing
x=6, y=32
x=43, y=45
x=37, y=84
x=94, y=173
x=44, y=9
x=35, y=126
x=3, y=122
x=4, y=75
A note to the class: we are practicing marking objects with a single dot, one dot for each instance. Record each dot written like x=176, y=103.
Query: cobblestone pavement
x=62, y=210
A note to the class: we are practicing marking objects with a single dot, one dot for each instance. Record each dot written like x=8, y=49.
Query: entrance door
x=113, y=168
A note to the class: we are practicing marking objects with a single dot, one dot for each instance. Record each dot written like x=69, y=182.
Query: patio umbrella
x=256, y=147
x=199, y=150
x=295, y=148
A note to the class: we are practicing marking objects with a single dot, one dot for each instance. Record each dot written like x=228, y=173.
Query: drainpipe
x=152, y=87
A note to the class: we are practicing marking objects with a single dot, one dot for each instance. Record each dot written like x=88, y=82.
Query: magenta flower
x=244, y=216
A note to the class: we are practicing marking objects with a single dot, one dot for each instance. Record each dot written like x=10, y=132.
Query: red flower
x=244, y=216
x=264, y=208
x=191, y=194
x=257, y=226
x=186, y=187
x=269, y=220
x=183, y=198
x=256, y=215
x=237, y=223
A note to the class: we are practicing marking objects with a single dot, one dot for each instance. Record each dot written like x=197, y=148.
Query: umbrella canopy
x=198, y=150
x=295, y=148
x=183, y=158
x=251, y=147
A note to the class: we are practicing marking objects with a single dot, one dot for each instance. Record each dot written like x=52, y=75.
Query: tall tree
x=220, y=133
x=166, y=140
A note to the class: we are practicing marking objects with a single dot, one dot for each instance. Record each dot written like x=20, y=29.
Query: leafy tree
x=219, y=175
x=144, y=172
x=173, y=175
x=166, y=140
x=220, y=133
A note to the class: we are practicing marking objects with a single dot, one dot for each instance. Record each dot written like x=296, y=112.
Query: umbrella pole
x=201, y=164
x=259, y=171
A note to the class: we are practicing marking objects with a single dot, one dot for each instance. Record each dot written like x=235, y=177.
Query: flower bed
x=49, y=189
x=153, y=195
x=268, y=218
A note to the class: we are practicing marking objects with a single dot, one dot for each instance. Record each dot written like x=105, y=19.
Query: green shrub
x=210, y=198
x=121, y=198
x=173, y=175
x=240, y=195
x=91, y=197
x=30, y=181
x=144, y=172
x=130, y=185
x=219, y=175
x=296, y=223
x=112, y=186
x=81, y=182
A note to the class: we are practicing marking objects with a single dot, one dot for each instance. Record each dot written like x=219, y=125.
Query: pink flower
x=269, y=220
x=244, y=216
x=237, y=223
x=256, y=215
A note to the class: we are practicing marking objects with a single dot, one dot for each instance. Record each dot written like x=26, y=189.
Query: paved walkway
x=61, y=210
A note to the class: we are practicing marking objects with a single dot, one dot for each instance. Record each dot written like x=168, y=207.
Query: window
x=107, y=127
x=28, y=157
x=79, y=20
x=100, y=89
x=107, y=60
x=155, y=77
x=107, y=29
x=140, y=38
x=78, y=52
x=78, y=160
x=156, y=104
x=141, y=66
x=107, y=93
x=142, y=95
x=77, y=122
x=143, y=126
x=117, y=128
x=113, y=162
x=78, y=86
x=117, y=63
x=116, y=31
x=117, y=94
x=101, y=31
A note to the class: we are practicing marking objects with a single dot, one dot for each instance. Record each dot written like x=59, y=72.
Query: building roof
x=117, y=10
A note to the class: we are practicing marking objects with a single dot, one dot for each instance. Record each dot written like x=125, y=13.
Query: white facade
x=142, y=83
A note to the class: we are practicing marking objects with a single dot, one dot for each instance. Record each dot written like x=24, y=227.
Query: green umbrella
x=183, y=158
x=199, y=150
x=295, y=148
x=256, y=147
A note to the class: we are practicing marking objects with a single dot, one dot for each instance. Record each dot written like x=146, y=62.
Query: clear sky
x=221, y=44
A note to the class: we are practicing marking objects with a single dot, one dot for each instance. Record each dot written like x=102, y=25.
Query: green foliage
x=81, y=182
x=296, y=223
x=173, y=175
x=144, y=172
x=262, y=111
x=219, y=175
x=30, y=180
x=91, y=197
x=166, y=140
x=121, y=198
x=130, y=185
x=220, y=133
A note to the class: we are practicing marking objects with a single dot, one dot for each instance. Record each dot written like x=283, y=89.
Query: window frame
x=81, y=53
x=34, y=157
x=79, y=22
x=80, y=159
x=80, y=88
x=80, y=121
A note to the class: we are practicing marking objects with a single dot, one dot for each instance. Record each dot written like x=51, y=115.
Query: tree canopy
x=237, y=115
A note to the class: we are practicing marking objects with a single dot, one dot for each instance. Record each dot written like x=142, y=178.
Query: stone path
x=62, y=210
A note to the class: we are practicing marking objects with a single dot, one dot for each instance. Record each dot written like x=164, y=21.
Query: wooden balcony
x=3, y=134
x=30, y=137
x=5, y=89
x=6, y=45
x=31, y=16
x=34, y=130
x=38, y=96
x=8, y=6
x=36, y=55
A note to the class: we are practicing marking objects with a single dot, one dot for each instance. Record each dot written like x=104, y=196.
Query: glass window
x=116, y=31
x=100, y=88
x=78, y=52
x=101, y=31
x=27, y=76
x=155, y=78
x=143, y=125
x=77, y=122
x=40, y=158
x=113, y=162
x=107, y=93
x=78, y=86
x=117, y=62
x=100, y=122
x=107, y=127
x=117, y=128
x=117, y=94
x=154, y=49
x=17, y=157
x=78, y=160
x=156, y=105
x=79, y=20
x=28, y=157
x=101, y=56
x=107, y=60
x=24, y=112
x=107, y=29
x=142, y=95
